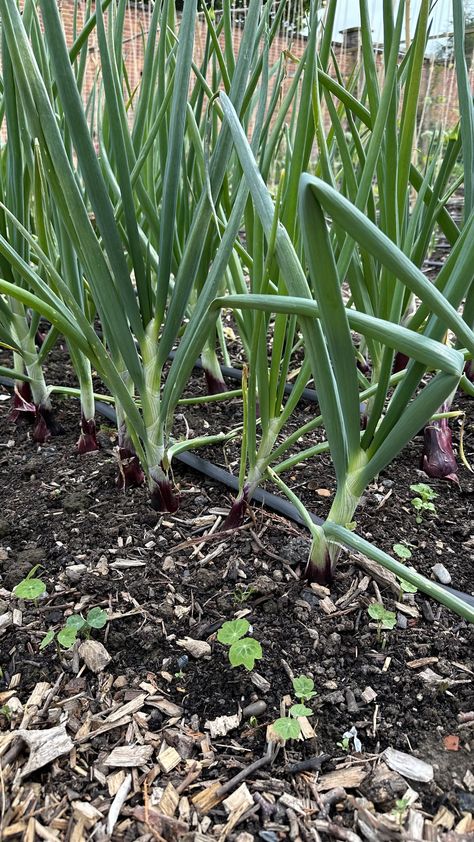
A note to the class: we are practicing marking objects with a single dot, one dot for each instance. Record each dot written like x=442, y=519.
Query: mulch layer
x=145, y=732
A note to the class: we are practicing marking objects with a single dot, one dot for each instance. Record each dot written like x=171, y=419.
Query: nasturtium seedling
x=385, y=619
x=75, y=624
x=244, y=651
x=300, y=710
x=67, y=637
x=407, y=587
x=97, y=618
x=287, y=728
x=423, y=501
x=75, y=621
x=30, y=587
x=303, y=687
x=232, y=630
x=401, y=550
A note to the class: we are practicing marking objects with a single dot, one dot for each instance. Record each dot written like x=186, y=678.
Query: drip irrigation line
x=211, y=471
x=236, y=374
x=266, y=498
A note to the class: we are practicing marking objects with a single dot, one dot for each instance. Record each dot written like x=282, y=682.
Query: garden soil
x=151, y=734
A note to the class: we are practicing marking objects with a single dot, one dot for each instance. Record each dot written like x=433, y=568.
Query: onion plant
x=358, y=454
x=375, y=171
x=120, y=212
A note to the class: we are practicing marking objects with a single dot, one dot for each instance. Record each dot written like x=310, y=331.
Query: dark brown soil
x=58, y=510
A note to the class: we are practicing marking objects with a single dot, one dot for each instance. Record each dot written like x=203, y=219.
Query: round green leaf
x=75, y=621
x=303, y=687
x=407, y=587
x=376, y=611
x=29, y=589
x=300, y=710
x=245, y=652
x=97, y=618
x=232, y=630
x=389, y=620
x=287, y=728
x=67, y=637
x=401, y=551
x=47, y=639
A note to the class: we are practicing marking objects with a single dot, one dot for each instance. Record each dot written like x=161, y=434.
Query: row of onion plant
x=131, y=230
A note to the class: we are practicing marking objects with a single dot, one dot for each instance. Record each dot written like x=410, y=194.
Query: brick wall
x=438, y=103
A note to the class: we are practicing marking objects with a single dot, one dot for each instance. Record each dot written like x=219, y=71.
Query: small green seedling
x=303, y=687
x=30, y=588
x=288, y=727
x=405, y=587
x=242, y=594
x=346, y=740
x=423, y=502
x=96, y=619
x=401, y=805
x=243, y=651
x=401, y=550
x=385, y=619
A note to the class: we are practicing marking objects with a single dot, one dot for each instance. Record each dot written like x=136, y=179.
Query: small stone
x=402, y=621
x=168, y=564
x=102, y=566
x=264, y=585
x=352, y=706
x=196, y=648
x=75, y=571
x=95, y=655
x=384, y=787
x=466, y=802
x=255, y=709
x=260, y=682
x=442, y=574
x=336, y=698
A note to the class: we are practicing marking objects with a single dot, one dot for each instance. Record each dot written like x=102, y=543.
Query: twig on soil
x=267, y=758
x=214, y=536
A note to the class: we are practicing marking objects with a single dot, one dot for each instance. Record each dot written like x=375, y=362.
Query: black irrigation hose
x=236, y=374
x=271, y=501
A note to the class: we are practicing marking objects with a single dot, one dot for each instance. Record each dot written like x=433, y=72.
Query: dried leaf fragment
x=408, y=766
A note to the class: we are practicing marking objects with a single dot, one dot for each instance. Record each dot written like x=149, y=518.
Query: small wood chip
x=369, y=695
x=207, y=799
x=169, y=759
x=95, y=655
x=240, y=796
x=166, y=707
x=169, y=801
x=128, y=756
x=260, y=682
x=327, y=605
x=347, y=778
x=85, y=811
x=444, y=818
x=422, y=662
x=115, y=781
x=45, y=746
